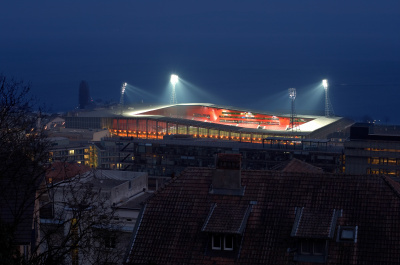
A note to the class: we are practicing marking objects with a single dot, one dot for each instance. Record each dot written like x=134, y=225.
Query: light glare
x=325, y=83
x=174, y=79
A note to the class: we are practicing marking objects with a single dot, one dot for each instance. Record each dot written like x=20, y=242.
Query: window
x=228, y=242
x=222, y=242
x=71, y=152
x=347, y=234
x=216, y=242
x=311, y=250
x=374, y=160
x=309, y=247
x=110, y=241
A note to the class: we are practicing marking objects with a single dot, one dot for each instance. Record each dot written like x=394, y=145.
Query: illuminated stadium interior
x=213, y=121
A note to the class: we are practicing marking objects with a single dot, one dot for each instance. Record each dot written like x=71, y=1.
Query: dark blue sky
x=245, y=54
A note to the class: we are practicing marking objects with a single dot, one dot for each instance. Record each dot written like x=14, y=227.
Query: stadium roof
x=139, y=111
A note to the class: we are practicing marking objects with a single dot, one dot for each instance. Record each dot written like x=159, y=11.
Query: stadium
x=205, y=120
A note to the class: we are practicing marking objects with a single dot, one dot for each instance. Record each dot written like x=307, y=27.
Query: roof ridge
x=392, y=184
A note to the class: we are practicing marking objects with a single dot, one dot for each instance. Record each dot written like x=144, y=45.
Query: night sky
x=238, y=53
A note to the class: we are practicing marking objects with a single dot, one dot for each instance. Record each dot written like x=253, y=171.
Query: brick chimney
x=226, y=178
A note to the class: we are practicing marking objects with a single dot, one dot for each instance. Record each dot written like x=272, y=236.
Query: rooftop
x=178, y=220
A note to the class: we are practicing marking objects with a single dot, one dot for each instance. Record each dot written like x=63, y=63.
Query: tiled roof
x=315, y=223
x=59, y=171
x=296, y=165
x=229, y=219
x=170, y=230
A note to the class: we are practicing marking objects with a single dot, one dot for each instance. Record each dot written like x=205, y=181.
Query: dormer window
x=313, y=247
x=225, y=225
x=222, y=242
x=312, y=229
x=228, y=242
x=216, y=242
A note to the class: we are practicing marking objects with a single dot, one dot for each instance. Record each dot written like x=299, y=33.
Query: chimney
x=226, y=178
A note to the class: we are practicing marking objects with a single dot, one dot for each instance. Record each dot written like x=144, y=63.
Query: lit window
x=71, y=152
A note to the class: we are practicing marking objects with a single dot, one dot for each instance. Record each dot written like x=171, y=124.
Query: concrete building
x=369, y=153
x=170, y=156
x=104, y=205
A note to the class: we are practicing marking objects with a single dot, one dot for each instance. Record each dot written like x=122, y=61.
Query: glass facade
x=148, y=128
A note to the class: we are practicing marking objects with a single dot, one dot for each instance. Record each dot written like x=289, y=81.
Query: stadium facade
x=204, y=120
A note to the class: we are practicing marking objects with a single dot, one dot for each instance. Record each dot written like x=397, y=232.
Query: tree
x=78, y=217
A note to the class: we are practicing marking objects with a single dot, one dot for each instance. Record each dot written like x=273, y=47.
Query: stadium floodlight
x=292, y=93
x=327, y=102
x=325, y=84
x=292, y=96
x=174, y=80
x=121, y=101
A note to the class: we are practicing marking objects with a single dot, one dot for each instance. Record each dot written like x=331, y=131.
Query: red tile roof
x=315, y=223
x=170, y=231
x=296, y=165
x=59, y=171
x=229, y=219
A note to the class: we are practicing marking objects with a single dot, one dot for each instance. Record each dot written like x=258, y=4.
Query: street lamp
x=174, y=80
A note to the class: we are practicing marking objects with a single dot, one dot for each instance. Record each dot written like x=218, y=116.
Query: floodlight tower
x=292, y=96
x=174, y=80
x=121, y=100
x=327, y=107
